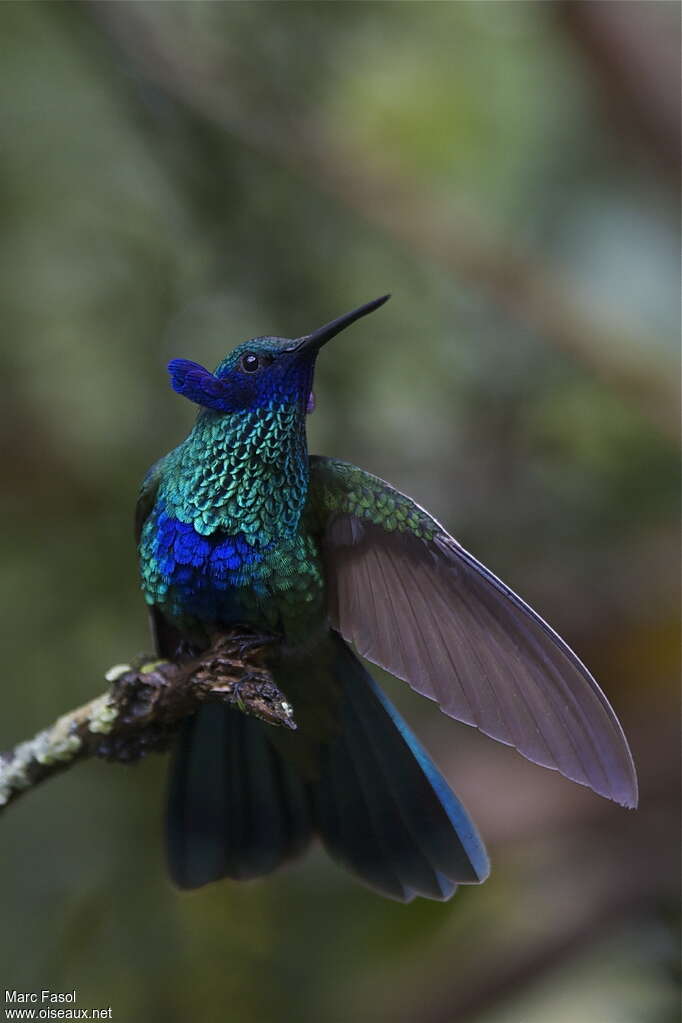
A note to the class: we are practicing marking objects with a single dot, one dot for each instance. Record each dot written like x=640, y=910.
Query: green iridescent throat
x=243, y=472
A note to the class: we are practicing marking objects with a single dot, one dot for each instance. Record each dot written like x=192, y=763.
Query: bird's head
x=262, y=372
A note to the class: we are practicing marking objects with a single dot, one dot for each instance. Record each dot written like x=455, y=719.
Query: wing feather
x=414, y=601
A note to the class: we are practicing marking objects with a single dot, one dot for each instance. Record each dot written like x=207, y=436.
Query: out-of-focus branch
x=142, y=709
x=216, y=88
x=466, y=1004
x=633, y=53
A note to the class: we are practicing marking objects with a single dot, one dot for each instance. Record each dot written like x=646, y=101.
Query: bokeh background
x=177, y=177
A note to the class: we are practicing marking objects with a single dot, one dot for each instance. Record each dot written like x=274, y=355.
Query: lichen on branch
x=143, y=707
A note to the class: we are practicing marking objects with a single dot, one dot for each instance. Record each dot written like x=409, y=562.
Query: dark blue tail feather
x=238, y=806
x=235, y=807
x=405, y=832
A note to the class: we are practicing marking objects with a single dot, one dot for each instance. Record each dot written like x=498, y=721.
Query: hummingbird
x=240, y=526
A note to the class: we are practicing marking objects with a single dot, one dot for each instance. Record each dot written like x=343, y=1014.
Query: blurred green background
x=177, y=177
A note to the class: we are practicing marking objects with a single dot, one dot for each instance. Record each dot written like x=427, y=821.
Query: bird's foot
x=242, y=643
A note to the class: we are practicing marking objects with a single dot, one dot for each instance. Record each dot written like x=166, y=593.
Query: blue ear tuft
x=195, y=382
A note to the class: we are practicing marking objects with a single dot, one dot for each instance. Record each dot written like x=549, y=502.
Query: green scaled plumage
x=241, y=476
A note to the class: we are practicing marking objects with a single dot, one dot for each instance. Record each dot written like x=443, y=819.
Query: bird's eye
x=251, y=362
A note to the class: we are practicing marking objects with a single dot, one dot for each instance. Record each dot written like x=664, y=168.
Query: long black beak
x=320, y=336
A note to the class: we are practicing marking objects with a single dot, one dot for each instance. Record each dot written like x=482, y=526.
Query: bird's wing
x=166, y=637
x=413, y=601
x=147, y=496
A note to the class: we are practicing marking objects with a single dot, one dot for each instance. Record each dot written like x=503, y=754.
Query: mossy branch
x=143, y=707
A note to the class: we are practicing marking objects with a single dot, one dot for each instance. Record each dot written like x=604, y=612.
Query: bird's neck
x=247, y=472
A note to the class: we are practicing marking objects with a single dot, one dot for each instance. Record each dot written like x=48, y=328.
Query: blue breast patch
x=194, y=575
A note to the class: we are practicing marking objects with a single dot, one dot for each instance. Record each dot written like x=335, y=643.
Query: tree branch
x=141, y=711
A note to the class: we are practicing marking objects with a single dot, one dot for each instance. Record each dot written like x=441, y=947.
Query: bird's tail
x=245, y=797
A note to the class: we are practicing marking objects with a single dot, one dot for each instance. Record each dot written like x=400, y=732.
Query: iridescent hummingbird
x=240, y=525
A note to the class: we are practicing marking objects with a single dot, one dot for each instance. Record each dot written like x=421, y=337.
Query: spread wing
x=413, y=601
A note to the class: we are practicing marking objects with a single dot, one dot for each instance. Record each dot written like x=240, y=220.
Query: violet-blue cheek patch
x=198, y=384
